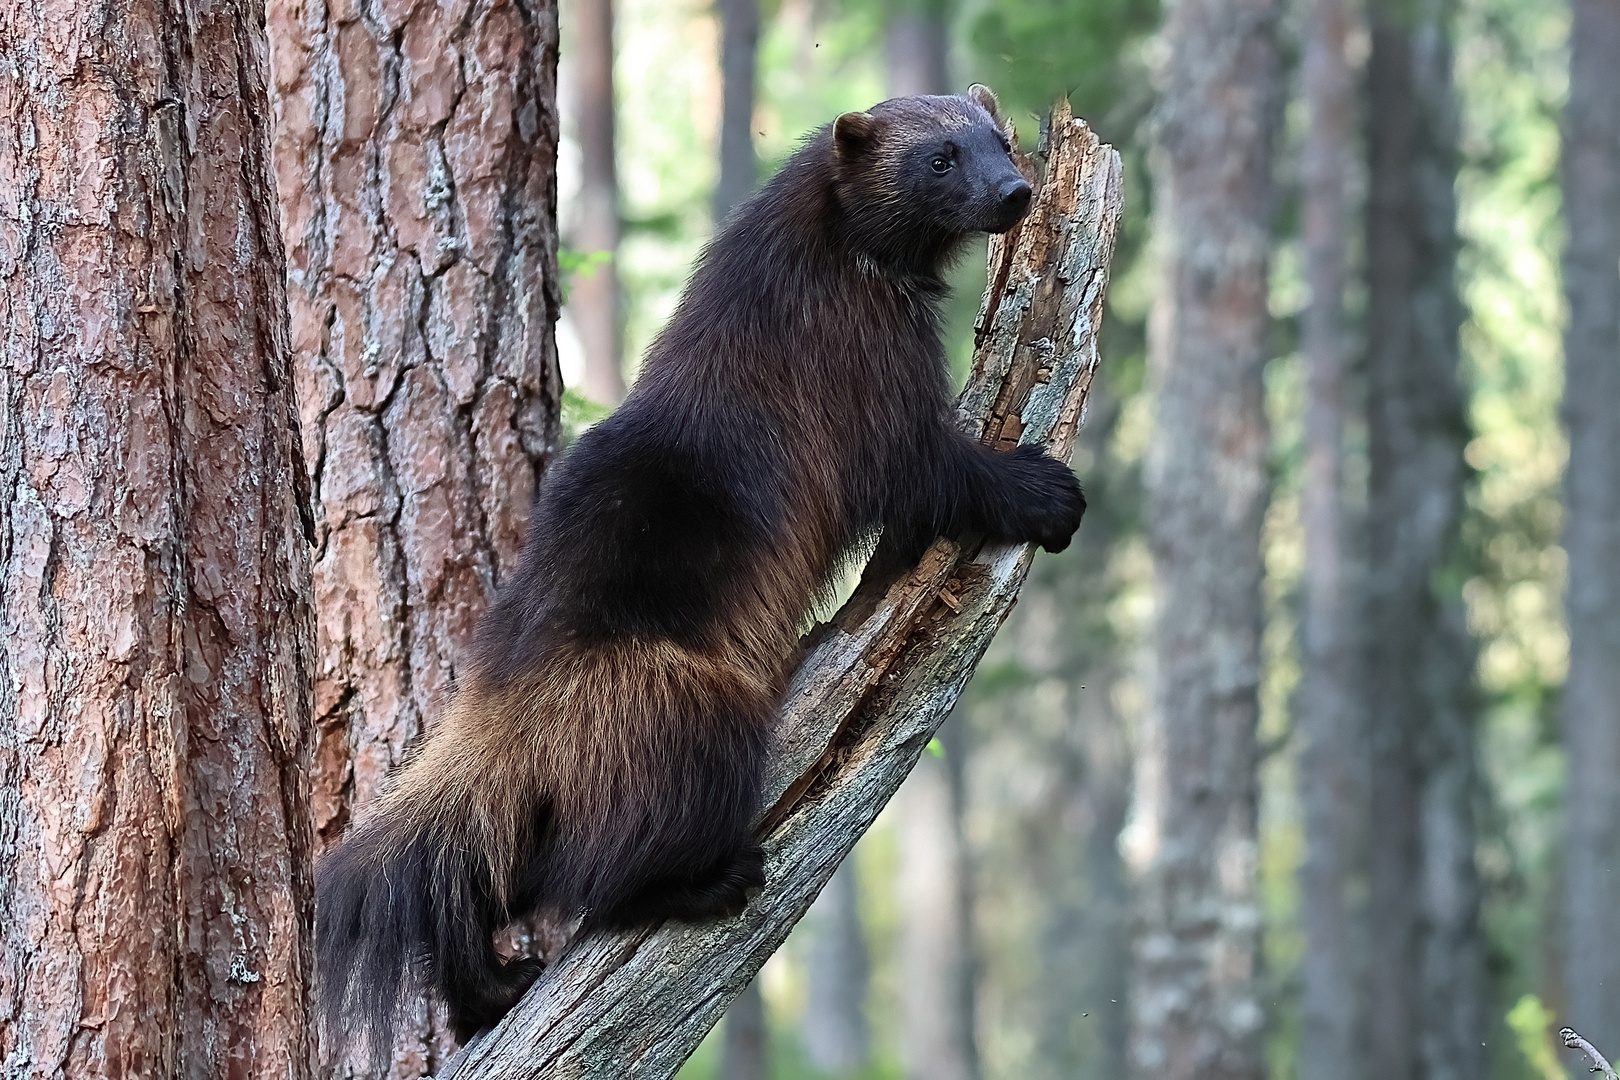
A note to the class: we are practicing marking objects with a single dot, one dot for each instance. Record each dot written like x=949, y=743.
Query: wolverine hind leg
x=719, y=890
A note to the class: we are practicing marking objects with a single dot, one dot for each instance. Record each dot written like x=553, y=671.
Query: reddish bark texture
x=415, y=153
x=594, y=294
x=155, y=641
x=1195, y=987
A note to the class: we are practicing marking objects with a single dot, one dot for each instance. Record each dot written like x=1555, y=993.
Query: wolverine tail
x=406, y=902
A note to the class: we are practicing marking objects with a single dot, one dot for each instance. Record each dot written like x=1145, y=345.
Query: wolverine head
x=917, y=174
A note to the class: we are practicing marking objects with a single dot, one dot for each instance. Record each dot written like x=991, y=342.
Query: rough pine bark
x=1427, y=979
x=416, y=157
x=1194, y=991
x=739, y=56
x=1591, y=855
x=594, y=299
x=1333, y=763
x=155, y=630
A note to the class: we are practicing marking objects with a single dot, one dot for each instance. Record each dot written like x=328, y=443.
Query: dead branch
x=1573, y=1040
x=876, y=681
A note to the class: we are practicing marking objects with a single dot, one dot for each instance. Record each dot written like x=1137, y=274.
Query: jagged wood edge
x=876, y=682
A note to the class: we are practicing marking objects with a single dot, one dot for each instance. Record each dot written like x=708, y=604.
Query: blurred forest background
x=1402, y=769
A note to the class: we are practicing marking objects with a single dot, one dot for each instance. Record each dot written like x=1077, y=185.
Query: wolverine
x=603, y=750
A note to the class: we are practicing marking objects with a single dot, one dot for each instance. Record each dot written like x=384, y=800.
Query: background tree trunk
x=936, y=936
x=1081, y=768
x=595, y=302
x=1427, y=977
x=936, y=930
x=1333, y=762
x=834, y=1028
x=1194, y=993
x=155, y=631
x=916, y=47
x=416, y=157
x=746, y=1044
x=1591, y=855
x=739, y=52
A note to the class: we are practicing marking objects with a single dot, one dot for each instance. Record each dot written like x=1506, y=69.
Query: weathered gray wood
x=875, y=683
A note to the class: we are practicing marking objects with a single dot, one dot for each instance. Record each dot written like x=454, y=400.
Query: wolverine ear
x=986, y=100
x=853, y=133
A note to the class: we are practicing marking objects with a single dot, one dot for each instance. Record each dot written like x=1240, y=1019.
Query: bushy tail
x=399, y=905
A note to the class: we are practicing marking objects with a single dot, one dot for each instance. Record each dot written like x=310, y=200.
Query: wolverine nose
x=1015, y=195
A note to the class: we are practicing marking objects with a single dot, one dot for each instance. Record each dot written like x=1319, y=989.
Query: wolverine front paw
x=1053, y=501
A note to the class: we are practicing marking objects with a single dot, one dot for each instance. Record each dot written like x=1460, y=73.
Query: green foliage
x=1531, y=1024
x=571, y=264
x=578, y=413
x=1032, y=51
x=1510, y=75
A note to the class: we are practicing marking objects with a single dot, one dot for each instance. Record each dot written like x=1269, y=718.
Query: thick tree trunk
x=415, y=152
x=594, y=300
x=1194, y=993
x=1591, y=855
x=739, y=55
x=155, y=631
x=834, y=1030
x=873, y=686
x=1333, y=764
x=1426, y=975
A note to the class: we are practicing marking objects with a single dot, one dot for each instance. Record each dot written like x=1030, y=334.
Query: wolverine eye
x=940, y=166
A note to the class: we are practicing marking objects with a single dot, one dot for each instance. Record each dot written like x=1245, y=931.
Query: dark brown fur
x=604, y=751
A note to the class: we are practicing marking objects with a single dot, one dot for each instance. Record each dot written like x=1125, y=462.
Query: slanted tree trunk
x=415, y=153
x=1333, y=763
x=834, y=1029
x=594, y=300
x=874, y=685
x=155, y=630
x=1426, y=964
x=1194, y=994
x=1591, y=855
x=739, y=54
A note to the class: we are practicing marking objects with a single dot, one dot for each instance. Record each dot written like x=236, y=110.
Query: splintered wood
x=876, y=681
